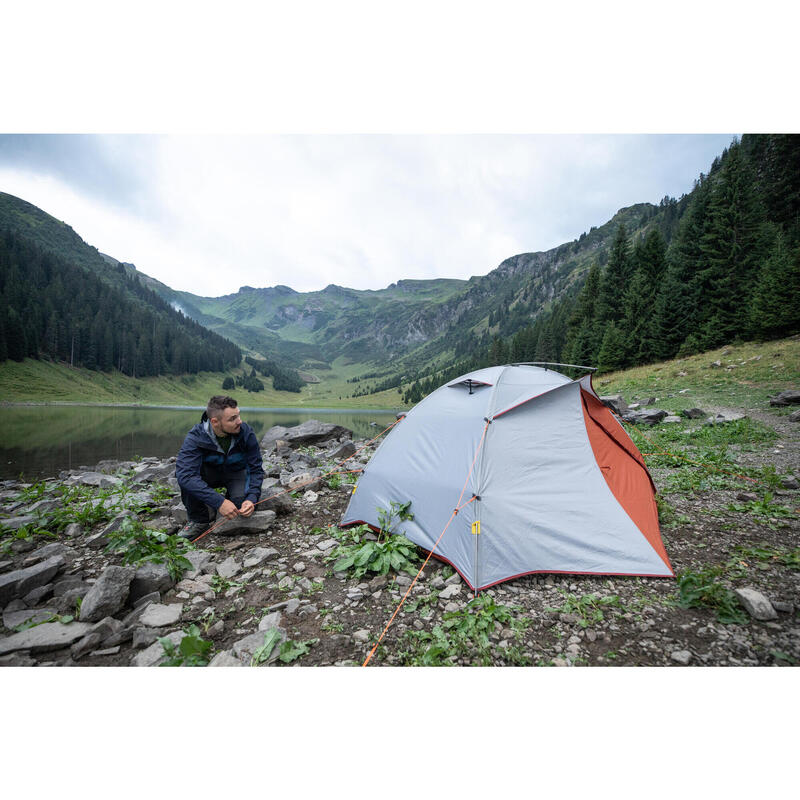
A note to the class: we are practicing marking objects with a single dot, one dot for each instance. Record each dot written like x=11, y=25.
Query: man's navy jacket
x=200, y=448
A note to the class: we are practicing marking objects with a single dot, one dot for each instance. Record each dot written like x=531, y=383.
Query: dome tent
x=554, y=483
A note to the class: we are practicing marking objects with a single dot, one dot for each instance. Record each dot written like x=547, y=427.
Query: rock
x=362, y=636
x=108, y=651
x=49, y=550
x=143, y=602
x=789, y=397
x=108, y=595
x=314, y=432
x=747, y=497
x=258, y=555
x=228, y=568
x=15, y=523
x=85, y=645
x=758, y=606
x=379, y=582
x=225, y=658
x=198, y=559
x=343, y=451
x=681, y=657
x=723, y=417
x=648, y=417
x=101, y=539
x=107, y=627
x=450, y=591
x=13, y=619
x=276, y=500
x=670, y=419
x=17, y=660
x=274, y=434
x=453, y=580
x=292, y=605
x=73, y=529
x=245, y=648
x=270, y=621
x=326, y=544
x=157, y=615
x=693, y=413
x=68, y=583
x=616, y=403
x=150, y=578
x=35, y=596
x=144, y=637
x=94, y=479
x=48, y=636
x=794, y=416
x=790, y=483
x=154, y=654
x=19, y=582
x=304, y=480
x=715, y=364
x=784, y=608
x=257, y=522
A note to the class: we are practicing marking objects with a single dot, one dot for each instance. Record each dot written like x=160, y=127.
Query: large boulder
x=648, y=417
x=314, y=432
x=150, y=578
x=616, y=403
x=257, y=522
x=788, y=398
x=48, y=636
x=275, y=433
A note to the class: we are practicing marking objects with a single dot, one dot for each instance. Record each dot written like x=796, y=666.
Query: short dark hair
x=217, y=403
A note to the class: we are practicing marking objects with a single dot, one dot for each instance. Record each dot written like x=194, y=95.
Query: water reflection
x=40, y=441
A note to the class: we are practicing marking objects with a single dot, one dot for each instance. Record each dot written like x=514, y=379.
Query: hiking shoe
x=191, y=530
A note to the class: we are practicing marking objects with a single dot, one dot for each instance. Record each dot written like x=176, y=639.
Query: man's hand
x=228, y=510
x=247, y=508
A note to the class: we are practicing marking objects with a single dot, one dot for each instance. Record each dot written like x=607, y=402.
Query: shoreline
x=271, y=409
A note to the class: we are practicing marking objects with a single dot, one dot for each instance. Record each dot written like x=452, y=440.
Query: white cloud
x=208, y=214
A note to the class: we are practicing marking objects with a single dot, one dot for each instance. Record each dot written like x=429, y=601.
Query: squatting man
x=220, y=451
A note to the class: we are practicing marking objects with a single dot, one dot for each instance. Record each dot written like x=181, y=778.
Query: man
x=220, y=451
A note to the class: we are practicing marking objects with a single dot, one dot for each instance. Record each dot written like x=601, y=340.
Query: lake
x=40, y=441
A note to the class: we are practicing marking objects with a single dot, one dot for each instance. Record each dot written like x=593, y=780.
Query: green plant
x=702, y=590
x=335, y=481
x=287, y=652
x=466, y=634
x=137, y=544
x=765, y=553
x=396, y=553
x=333, y=627
x=763, y=507
x=589, y=607
x=192, y=651
x=398, y=512
x=219, y=585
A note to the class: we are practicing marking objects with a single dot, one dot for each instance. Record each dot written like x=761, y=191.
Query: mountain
x=61, y=299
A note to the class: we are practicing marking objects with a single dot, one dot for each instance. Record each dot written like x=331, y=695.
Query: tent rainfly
x=555, y=483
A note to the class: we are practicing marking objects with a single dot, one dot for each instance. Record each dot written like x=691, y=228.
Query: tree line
x=51, y=308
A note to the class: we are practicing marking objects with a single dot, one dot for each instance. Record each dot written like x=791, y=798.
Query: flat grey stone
x=453, y=590
x=616, y=403
x=35, y=596
x=19, y=582
x=225, y=658
x=48, y=636
x=98, y=479
x=245, y=648
x=48, y=551
x=228, y=568
x=20, y=659
x=101, y=539
x=154, y=654
x=257, y=522
x=270, y=621
x=108, y=651
x=107, y=627
x=11, y=619
x=257, y=556
x=108, y=594
x=68, y=583
x=159, y=616
x=143, y=602
x=144, y=637
x=362, y=636
x=756, y=604
x=453, y=580
x=73, y=529
x=198, y=559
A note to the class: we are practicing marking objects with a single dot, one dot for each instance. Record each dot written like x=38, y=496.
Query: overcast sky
x=208, y=214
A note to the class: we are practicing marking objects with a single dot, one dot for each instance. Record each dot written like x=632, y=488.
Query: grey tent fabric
x=542, y=502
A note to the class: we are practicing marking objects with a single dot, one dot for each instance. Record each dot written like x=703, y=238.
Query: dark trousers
x=235, y=483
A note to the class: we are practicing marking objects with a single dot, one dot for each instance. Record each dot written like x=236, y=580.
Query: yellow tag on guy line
x=476, y=527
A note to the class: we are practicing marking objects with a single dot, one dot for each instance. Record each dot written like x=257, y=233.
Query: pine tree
x=612, y=350
x=775, y=310
x=732, y=246
x=637, y=312
x=615, y=279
